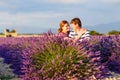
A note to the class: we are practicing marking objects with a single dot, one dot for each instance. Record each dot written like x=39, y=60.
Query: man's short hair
x=76, y=21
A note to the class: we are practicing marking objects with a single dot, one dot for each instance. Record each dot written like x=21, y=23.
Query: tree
x=92, y=32
x=114, y=32
x=13, y=31
x=7, y=30
x=1, y=33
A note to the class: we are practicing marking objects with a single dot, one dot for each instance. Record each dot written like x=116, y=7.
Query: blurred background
x=38, y=16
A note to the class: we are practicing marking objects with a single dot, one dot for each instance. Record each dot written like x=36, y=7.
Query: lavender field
x=53, y=58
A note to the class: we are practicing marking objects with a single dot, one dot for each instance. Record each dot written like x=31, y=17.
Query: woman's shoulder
x=61, y=34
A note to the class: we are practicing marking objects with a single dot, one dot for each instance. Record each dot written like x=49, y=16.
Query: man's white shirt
x=85, y=36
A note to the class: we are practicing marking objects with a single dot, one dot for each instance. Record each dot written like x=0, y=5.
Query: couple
x=78, y=33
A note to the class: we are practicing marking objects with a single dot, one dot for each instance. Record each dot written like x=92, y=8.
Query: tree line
x=113, y=32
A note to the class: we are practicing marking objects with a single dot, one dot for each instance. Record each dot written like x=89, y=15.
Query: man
x=78, y=33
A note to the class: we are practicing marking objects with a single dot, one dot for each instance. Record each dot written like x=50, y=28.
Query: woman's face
x=66, y=28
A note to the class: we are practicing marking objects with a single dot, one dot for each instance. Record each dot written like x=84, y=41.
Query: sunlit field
x=49, y=57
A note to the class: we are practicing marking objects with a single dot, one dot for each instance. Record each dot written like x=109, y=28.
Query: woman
x=64, y=28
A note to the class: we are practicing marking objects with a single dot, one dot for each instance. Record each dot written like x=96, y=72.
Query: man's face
x=74, y=26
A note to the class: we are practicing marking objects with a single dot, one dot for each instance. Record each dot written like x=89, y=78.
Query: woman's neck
x=64, y=32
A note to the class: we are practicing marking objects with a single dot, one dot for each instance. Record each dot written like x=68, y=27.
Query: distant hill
x=104, y=28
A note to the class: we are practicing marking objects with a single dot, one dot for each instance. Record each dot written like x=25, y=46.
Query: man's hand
x=80, y=33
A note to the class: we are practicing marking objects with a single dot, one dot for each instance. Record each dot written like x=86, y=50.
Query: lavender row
x=51, y=57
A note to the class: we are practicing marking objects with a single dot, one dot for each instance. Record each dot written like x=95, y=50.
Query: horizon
x=2, y=33
x=34, y=16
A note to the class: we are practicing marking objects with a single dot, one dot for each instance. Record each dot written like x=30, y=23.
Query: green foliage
x=59, y=60
x=114, y=32
x=92, y=32
x=13, y=31
x=7, y=30
x=1, y=33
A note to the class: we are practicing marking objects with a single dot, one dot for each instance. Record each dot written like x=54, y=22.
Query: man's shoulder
x=86, y=34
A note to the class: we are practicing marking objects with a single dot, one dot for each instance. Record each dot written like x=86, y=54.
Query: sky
x=37, y=16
